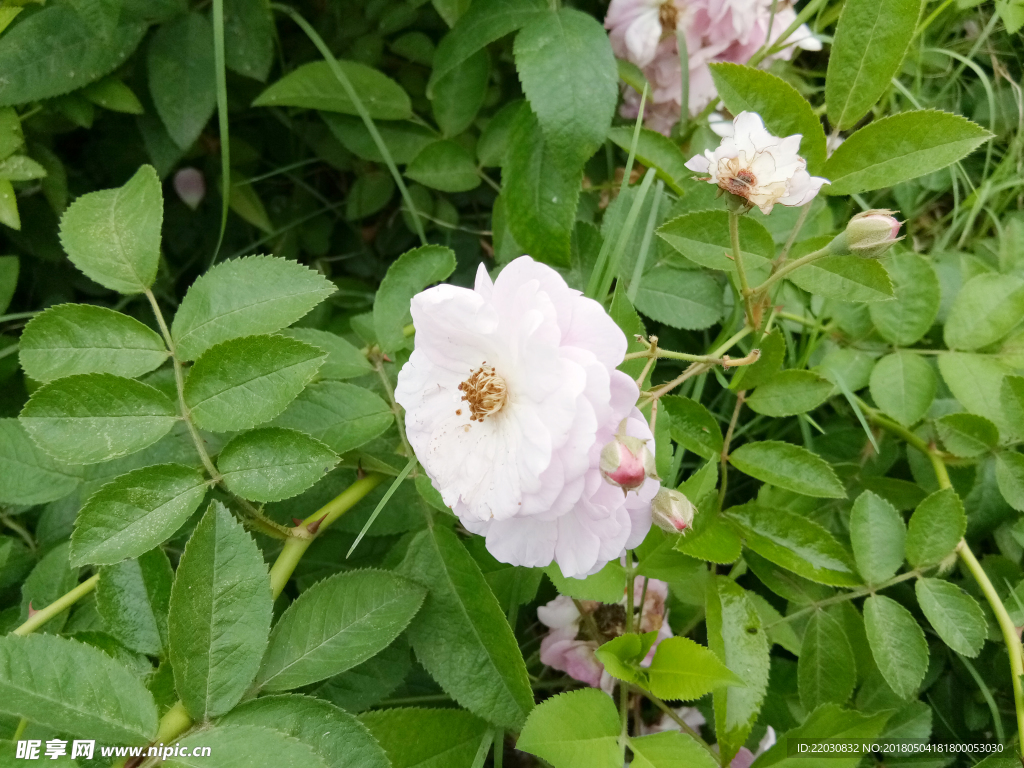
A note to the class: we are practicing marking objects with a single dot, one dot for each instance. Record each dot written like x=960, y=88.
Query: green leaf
x=897, y=644
x=580, y=728
x=404, y=139
x=21, y=168
x=461, y=636
x=75, y=689
x=781, y=106
x=81, y=338
x=344, y=359
x=9, y=215
x=235, y=746
x=621, y=656
x=935, y=528
x=796, y=543
x=113, y=236
x=656, y=151
x=845, y=278
x=829, y=721
x=457, y=97
x=605, y=586
x=916, y=287
x=680, y=298
x=272, y=464
x=976, y=381
x=786, y=584
x=773, y=352
x=444, y=165
x=568, y=73
x=314, y=86
x=899, y=148
x=987, y=308
x=629, y=322
x=667, y=750
x=903, y=385
x=1011, y=398
x=337, y=737
x=871, y=40
x=451, y=10
x=244, y=382
x=683, y=670
x=693, y=426
x=1010, y=477
x=877, y=535
x=790, y=392
x=9, y=269
x=717, y=543
x=480, y=26
x=249, y=38
x=336, y=624
x=133, y=598
x=136, y=512
x=967, y=435
x=219, y=615
x=826, y=671
x=94, y=417
x=736, y=637
x=408, y=275
x=444, y=738
x=539, y=192
x=493, y=142
x=29, y=475
x=63, y=47
x=954, y=614
x=703, y=238
x=243, y=297
x=342, y=416
x=788, y=466
x=182, y=79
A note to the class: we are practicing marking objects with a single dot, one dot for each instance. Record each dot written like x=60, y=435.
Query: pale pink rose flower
x=635, y=27
x=190, y=186
x=761, y=168
x=568, y=648
x=510, y=394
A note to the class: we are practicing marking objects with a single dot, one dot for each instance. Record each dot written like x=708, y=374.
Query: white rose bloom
x=510, y=394
x=759, y=167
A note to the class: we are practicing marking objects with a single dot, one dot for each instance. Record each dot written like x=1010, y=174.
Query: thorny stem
x=698, y=368
x=1009, y=631
x=740, y=398
x=651, y=353
x=255, y=518
x=43, y=615
x=679, y=721
x=845, y=596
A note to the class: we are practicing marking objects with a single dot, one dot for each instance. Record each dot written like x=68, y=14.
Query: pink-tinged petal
x=698, y=163
x=560, y=613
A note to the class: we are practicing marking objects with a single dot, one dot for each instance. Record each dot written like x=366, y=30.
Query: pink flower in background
x=761, y=168
x=190, y=186
x=644, y=33
x=510, y=394
x=568, y=648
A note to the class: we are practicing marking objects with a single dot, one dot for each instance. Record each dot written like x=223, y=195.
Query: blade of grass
x=645, y=244
x=222, y=122
x=627, y=231
x=380, y=505
x=342, y=78
x=597, y=276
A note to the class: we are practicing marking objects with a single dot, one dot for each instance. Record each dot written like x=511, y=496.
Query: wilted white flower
x=510, y=394
x=758, y=167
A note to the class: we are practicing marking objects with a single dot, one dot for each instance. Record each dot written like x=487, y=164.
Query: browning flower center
x=668, y=15
x=610, y=619
x=484, y=391
x=739, y=182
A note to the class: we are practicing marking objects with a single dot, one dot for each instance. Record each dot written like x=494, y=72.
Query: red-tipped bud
x=626, y=462
x=190, y=186
x=672, y=511
x=869, y=234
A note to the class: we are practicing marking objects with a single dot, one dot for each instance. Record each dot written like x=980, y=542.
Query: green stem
x=295, y=547
x=43, y=615
x=741, y=272
x=679, y=721
x=357, y=102
x=785, y=269
x=219, y=60
x=843, y=597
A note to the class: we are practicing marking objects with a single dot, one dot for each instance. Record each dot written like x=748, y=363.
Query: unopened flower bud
x=626, y=462
x=672, y=511
x=869, y=235
x=190, y=186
